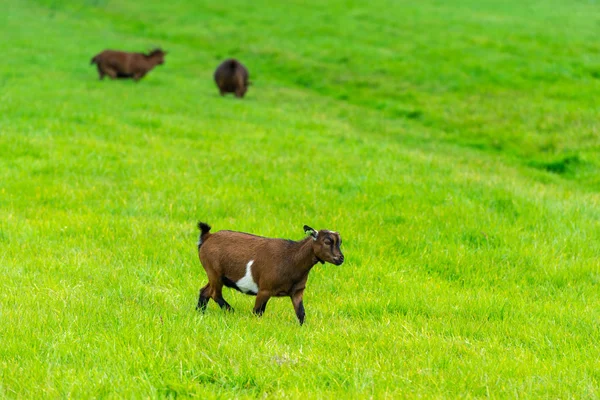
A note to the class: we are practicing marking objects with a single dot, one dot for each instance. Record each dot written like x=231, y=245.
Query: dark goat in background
x=121, y=64
x=231, y=76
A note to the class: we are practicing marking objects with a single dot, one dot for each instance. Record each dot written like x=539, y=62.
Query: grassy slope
x=453, y=145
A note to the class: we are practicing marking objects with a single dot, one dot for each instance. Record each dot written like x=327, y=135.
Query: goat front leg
x=262, y=297
x=138, y=75
x=100, y=72
x=298, y=305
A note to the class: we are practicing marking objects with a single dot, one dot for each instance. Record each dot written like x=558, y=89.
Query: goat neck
x=303, y=256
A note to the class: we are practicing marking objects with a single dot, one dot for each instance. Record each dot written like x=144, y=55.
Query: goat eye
x=327, y=241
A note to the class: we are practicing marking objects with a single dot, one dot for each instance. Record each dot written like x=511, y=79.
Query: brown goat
x=121, y=64
x=231, y=76
x=262, y=267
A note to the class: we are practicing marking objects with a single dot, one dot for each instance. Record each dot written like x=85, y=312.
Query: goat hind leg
x=217, y=296
x=239, y=93
x=223, y=304
x=203, y=298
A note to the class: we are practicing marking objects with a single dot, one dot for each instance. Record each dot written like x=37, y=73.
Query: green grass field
x=453, y=144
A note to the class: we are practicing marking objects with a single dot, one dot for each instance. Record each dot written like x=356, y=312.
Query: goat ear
x=311, y=232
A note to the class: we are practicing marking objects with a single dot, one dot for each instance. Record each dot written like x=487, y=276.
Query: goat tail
x=204, y=232
x=94, y=60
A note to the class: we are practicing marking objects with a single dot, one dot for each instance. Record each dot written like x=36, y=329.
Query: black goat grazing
x=231, y=76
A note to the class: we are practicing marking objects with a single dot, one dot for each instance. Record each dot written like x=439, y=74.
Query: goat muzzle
x=339, y=260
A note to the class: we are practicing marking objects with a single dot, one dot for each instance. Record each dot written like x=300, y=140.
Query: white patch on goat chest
x=247, y=284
